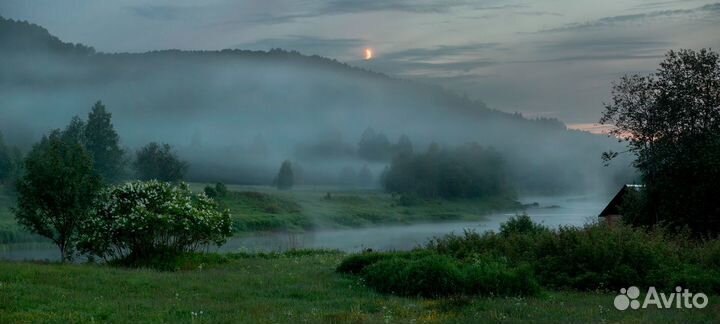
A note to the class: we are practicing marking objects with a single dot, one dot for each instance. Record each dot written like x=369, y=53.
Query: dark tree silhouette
x=10, y=161
x=158, y=162
x=671, y=122
x=102, y=142
x=374, y=146
x=403, y=146
x=56, y=190
x=285, y=178
x=469, y=171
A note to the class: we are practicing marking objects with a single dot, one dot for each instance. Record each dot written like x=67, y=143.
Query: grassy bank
x=307, y=208
x=287, y=288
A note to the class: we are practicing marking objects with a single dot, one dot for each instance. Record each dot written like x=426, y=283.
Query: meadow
x=300, y=286
x=292, y=287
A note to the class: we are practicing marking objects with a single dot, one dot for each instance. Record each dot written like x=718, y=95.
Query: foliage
x=468, y=171
x=671, y=121
x=596, y=256
x=521, y=224
x=374, y=146
x=433, y=275
x=221, y=189
x=210, y=191
x=158, y=162
x=103, y=144
x=143, y=220
x=218, y=190
x=285, y=179
x=10, y=162
x=56, y=191
x=403, y=146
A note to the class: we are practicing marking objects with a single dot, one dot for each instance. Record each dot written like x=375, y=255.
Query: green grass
x=306, y=208
x=276, y=288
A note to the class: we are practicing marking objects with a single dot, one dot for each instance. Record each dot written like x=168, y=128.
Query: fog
x=236, y=115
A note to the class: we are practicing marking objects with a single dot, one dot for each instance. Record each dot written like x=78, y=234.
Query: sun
x=369, y=54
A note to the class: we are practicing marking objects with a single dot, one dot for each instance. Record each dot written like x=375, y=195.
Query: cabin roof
x=613, y=207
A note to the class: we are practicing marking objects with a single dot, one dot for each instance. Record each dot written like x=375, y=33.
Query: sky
x=542, y=58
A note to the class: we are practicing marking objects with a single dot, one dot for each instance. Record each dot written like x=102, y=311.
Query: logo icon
x=627, y=298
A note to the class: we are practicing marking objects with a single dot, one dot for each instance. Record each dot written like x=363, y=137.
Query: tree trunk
x=63, y=253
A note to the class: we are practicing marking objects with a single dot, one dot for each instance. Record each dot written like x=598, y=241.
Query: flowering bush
x=146, y=220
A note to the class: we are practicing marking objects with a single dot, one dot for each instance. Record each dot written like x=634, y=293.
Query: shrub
x=521, y=224
x=595, y=256
x=221, y=189
x=145, y=220
x=493, y=276
x=426, y=274
x=210, y=191
x=430, y=276
x=356, y=263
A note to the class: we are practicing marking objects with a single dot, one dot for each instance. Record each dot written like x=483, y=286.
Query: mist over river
x=552, y=211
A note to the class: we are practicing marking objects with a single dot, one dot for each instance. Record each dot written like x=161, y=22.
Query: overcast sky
x=552, y=58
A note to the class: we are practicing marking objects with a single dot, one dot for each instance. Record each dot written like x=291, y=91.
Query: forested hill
x=232, y=111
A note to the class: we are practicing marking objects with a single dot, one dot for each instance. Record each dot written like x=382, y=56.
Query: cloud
x=154, y=12
x=710, y=10
x=432, y=53
x=412, y=6
x=341, y=7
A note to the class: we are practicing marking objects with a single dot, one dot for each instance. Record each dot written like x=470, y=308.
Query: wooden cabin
x=611, y=214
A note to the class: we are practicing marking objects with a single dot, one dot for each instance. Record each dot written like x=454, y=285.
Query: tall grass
x=524, y=254
x=596, y=256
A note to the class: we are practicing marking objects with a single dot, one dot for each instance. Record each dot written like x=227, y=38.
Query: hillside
x=237, y=114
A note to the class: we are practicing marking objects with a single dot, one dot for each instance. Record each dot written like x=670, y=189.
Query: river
x=550, y=211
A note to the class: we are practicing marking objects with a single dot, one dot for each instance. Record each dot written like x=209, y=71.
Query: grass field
x=298, y=287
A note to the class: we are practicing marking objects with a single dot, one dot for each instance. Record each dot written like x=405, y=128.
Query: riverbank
x=292, y=287
x=311, y=208
x=266, y=209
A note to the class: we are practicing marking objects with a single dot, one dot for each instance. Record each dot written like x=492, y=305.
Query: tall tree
x=671, y=121
x=374, y=146
x=75, y=131
x=158, y=162
x=285, y=179
x=56, y=190
x=103, y=143
x=404, y=146
x=10, y=162
x=6, y=162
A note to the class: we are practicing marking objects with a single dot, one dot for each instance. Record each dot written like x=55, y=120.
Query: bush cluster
x=146, y=220
x=596, y=256
x=218, y=190
x=525, y=256
x=428, y=274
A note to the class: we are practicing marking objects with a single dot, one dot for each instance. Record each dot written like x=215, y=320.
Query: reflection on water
x=550, y=211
